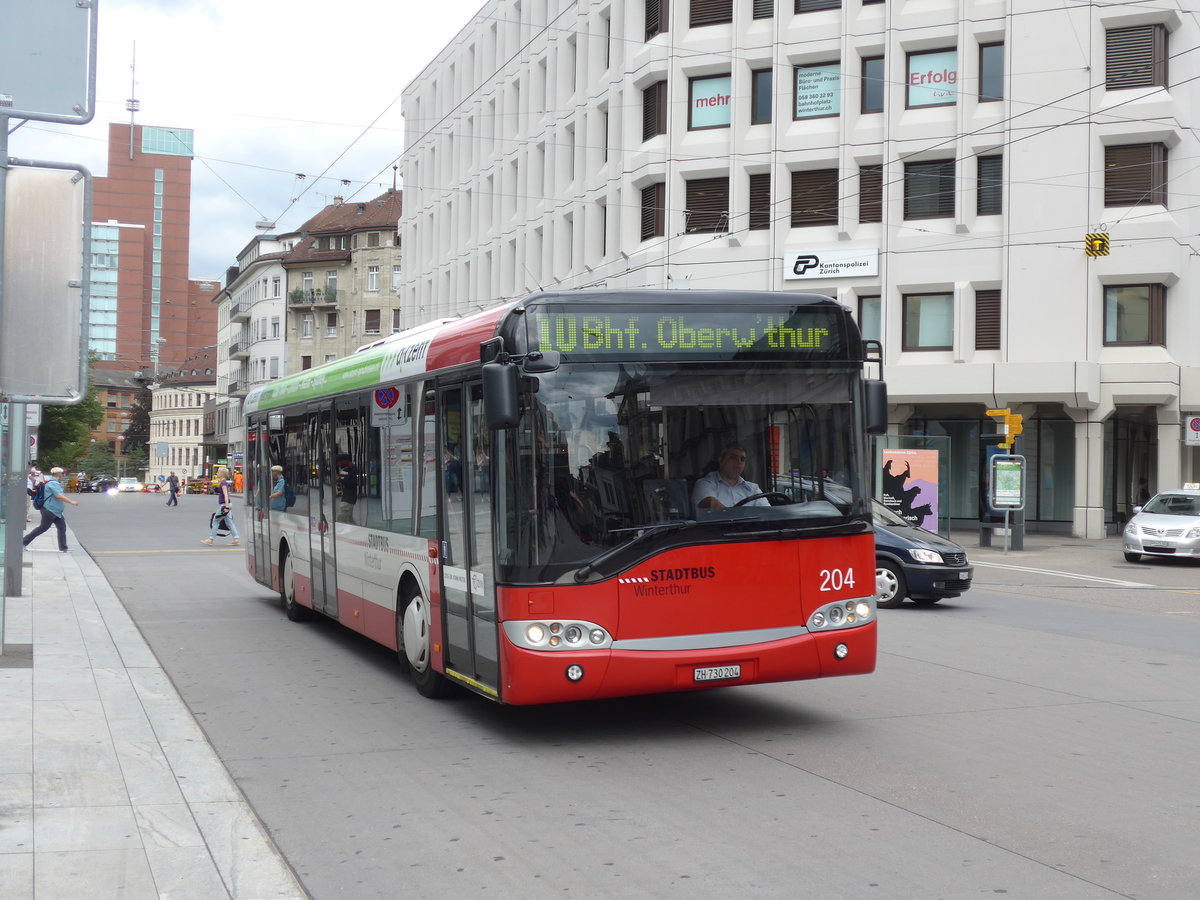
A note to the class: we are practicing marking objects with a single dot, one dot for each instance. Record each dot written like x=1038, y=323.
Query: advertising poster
x=710, y=102
x=910, y=485
x=818, y=90
x=933, y=78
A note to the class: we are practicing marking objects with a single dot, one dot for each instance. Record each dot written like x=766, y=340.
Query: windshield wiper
x=643, y=531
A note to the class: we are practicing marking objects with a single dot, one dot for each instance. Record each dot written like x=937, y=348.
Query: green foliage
x=65, y=433
x=137, y=432
x=97, y=459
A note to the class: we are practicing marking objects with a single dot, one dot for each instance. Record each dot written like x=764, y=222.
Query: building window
x=815, y=197
x=373, y=278
x=1134, y=314
x=760, y=96
x=654, y=110
x=656, y=17
x=331, y=282
x=371, y=320
x=1135, y=175
x=990, y=194
x=870, y=324
x=764, y=9
x=929, y=189
x=991, y=72
x=274, y=367
x=710, y=12
x=708, y=102
x=307, y=279
x=870, y=193
x=395, y=321
x=372, y=238
x=1135, y=57
x=872, y=84
x=275, y=286
x=932, y=78
x=395, y=279
x=654, y=212
x=817, y=91
x=928, y=322
x=331, y=324
x=707, y=205
x=987, y=320
x=275, y=326
x=306, y=362
x=760, y=201
x=306, y=326
x=803, y=6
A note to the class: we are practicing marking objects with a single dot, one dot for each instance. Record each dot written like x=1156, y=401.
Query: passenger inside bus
x=724, y=486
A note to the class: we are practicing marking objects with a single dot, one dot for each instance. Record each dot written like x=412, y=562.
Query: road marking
x=189, y=550
x=1113, y=581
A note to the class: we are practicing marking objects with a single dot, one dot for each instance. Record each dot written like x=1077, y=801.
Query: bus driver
x=726, y=486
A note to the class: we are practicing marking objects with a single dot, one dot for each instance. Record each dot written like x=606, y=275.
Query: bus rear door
x=323, y=509
x=258, y=490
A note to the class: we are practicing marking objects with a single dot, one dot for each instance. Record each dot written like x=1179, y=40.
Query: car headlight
x=558, y=635
x=926, y=556
x=1131, y=528
x=1193, y=533
x=842, y=614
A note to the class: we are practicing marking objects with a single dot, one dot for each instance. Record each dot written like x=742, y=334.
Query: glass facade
x=102, y=307
x=167, y=141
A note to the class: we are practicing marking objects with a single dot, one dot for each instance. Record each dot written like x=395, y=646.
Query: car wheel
x=1133, y=557
x=414, y=643
x=890, y=589
x=287, y=591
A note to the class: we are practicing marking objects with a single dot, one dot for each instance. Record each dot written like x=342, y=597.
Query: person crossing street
x=172, y=490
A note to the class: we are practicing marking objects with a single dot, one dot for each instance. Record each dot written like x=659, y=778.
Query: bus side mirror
x=877, y=406
x=500, y=407
x=275, y=422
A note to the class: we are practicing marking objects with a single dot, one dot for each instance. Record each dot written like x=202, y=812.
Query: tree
x=65, y=433
x=98, y=459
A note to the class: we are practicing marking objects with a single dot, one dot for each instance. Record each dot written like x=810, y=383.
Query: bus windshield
x=607, y=455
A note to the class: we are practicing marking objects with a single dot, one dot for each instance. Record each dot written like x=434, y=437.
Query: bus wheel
x=287, y=593
x=890, y=589
x=414, y=643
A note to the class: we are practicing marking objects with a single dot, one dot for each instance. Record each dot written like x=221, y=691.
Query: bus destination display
x=711, y=334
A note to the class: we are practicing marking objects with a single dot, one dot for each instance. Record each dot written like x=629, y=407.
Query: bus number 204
x=836, y=579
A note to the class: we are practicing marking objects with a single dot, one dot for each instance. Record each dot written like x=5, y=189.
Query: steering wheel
x=775, y=498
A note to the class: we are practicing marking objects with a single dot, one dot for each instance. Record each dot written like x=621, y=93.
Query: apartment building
x=1001, y=191
x=342, y=275
x=176, y=419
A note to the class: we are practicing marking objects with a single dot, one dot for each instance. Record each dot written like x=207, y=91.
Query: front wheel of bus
x=287, y=591
x=414, y=641
x=890, y=589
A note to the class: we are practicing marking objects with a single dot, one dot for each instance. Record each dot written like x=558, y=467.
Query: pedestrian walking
x=172, y=490
x=224, y=515
x=52, y=511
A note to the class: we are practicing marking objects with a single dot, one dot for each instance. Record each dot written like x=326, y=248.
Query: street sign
x=48, y=60
x=1006, y=482
x=1191, y=431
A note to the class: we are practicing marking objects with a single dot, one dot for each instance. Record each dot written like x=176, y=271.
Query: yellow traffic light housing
x=1010, y=422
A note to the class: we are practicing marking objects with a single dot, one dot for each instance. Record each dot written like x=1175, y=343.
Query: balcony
x=326, y=296
x=237, y=389
x=239, y=312
x=239, y=349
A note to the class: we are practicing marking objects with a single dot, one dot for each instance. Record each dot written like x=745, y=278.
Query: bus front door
x=323, y=510
x=468, y=583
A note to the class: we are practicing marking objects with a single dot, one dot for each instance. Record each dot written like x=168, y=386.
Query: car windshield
x=1173, y=505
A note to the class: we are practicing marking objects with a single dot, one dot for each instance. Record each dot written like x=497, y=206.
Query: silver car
x=1168, y=525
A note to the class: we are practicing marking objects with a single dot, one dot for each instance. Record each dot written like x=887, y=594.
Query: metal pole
x=10, y=576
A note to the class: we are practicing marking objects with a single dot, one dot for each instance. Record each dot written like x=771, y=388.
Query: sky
x=271, y=90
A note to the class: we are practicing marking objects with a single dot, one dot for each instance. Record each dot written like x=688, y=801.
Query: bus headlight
x=842, y=614
x=560, y=634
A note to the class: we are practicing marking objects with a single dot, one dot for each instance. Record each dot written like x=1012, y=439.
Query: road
x=1034, y=738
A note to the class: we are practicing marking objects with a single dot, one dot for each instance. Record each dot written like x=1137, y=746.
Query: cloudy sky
x=271, y=89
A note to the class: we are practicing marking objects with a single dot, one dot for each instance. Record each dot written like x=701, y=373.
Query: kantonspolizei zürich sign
x=843, y=262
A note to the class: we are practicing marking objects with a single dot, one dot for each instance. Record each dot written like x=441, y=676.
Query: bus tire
x=890, y=589
x=414, y=646
x=287, y=590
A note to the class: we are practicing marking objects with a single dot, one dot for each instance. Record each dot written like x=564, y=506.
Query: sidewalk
x=108, y=787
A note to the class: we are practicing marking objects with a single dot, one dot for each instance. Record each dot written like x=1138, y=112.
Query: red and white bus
x=506, y=499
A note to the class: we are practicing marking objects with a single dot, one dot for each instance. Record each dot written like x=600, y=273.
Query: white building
x=935, y=166
x=251, y=348
x=177, y=403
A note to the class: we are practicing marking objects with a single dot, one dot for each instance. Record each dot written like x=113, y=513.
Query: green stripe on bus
x=354, y=372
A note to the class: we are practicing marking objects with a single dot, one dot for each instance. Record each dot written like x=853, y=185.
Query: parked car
x=128, y=484
x=913, y=563
x=153, y=487
x=100, y=484
x=1168, y=525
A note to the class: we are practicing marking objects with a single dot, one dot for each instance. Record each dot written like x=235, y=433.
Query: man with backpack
x=49, y=498
x=32, y=479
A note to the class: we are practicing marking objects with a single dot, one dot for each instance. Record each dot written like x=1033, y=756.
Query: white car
x=1168, y=525
x=128, y=484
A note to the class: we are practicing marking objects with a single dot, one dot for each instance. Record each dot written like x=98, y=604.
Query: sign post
x=1006, y=487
